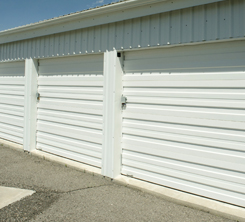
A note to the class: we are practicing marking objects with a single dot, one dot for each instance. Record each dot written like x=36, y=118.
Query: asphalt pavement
x=66, y=194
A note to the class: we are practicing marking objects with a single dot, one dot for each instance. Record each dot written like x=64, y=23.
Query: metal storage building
x=151, y=89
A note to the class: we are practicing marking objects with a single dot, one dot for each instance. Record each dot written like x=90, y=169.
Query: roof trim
x=98, y=16
x=83, y=14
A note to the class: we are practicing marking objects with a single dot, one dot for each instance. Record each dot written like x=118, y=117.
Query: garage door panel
x=12, y=69
x=190, y=84
x=202, y=93
x=89, y=64
x=70, y=131
x=69, y=143
x=11, y=130
x=13, y=88
x=72, y=96
x=187, y=152
x=12, y=138
x=12, y=120
x=178, y=59
x=224, y=144
x=70, y=155
x=183, y=76
x=71, y=81
x=169, y=181
x=72, y=90
x=181, y=130
x=189, y=112
x=12, y=81
x=73, y=146
x=43, y=113
x=13, y=110
x=12, y=92
x=204, y=180
x=70, y=108
x=201, y=170
x=71, y=122
x=13, y=100
x=135, y=95
x=234, y=104
x=187, y=121
x=184, y=121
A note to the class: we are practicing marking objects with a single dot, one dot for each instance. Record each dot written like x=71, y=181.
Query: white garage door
x=184, y=124
x=70, y=107
x=12, y=82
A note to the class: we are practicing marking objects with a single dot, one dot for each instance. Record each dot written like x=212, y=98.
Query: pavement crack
x=85, y=188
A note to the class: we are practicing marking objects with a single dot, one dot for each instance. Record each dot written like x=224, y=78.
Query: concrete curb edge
x=180, y=197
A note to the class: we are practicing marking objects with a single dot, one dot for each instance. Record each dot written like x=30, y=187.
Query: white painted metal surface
x=112, y=121
x=184, y=125
x=71, y=107
x=12, y=82
x=208, y=22
x=117, y=11
x=30, y=114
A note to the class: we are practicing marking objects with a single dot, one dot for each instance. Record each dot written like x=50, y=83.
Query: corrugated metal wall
x=184, y=123
x=221, y=20
x=69, y=121
x=12, y=82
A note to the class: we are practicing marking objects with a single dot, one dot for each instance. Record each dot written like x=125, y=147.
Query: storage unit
x=69, y=115
x=152, y=90
x=183, y=126
x=12, y=82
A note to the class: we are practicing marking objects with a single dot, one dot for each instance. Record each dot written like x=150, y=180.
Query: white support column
x=112, y=115
x=30, y=114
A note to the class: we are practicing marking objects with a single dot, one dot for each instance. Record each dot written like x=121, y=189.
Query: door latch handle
x=38, y=96
x=123, y=101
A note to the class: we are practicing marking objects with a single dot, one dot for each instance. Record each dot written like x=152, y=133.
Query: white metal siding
x=70, y=108
x=184, y=124
x=221, y=20
x=12, y=82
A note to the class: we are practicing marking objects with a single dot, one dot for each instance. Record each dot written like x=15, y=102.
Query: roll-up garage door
x=70, y=108
x=184, y=123
x=12, y=82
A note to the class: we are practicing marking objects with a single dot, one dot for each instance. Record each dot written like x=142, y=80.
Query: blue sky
x=15, y=13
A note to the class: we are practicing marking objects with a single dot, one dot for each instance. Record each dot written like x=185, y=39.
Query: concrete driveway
x=65, y=194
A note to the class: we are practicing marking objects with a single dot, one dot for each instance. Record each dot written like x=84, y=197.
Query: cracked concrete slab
x=37, y=173
x=9, y=195
x=118, y=203
x=66, y=194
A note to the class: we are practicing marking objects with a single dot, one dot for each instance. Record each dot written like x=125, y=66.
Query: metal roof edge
x=115, y=12
x=122, y=5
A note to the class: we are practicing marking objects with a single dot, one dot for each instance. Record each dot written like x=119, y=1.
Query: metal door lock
x=123, y=101
x=38, y=96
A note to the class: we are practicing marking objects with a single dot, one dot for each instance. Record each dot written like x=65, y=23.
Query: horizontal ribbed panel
x=221, y=20
x=12, y=69
x=12, y=82
x=70, y=108
x=185, y=127
x=91, y=64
